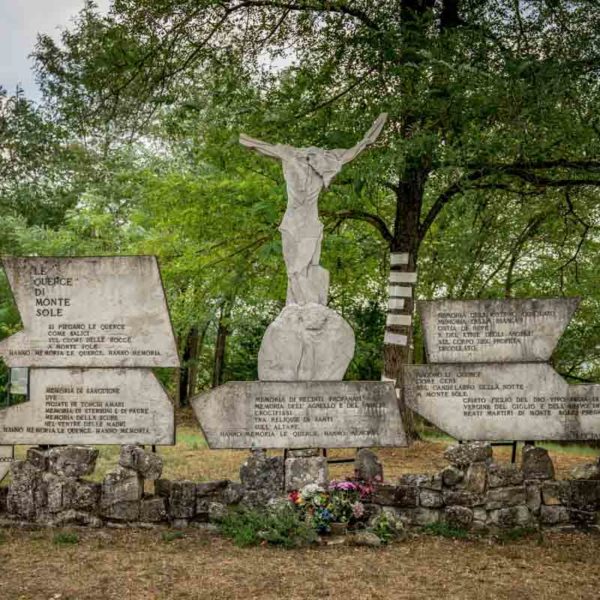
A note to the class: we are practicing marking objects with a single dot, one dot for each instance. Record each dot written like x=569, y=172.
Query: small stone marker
x=458, y=331
x=473, y=398
x=90, y=406
x=300, y=414
x=89, y=312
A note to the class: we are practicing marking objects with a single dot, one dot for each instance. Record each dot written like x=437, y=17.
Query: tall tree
x=496, y=96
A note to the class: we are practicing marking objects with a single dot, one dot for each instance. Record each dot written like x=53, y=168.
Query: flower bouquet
x=341, y=502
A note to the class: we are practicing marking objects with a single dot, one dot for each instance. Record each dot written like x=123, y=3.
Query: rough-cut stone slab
x=89, y=312
x=90, y=406
x=122, y=491
x=527, y=401
x=459, y=331
x=147, y=464
x=306, y=343
x=367, y=466
x=536, y=463
x=343, y=414
x=72, y=461
x=262, y=477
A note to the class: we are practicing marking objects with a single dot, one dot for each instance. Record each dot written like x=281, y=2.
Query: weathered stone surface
x=26, y=491
x=476, y=478
x=306, y=343
x=148, y=416
x=462, y=455
x=536, y=463
x=3, y=496
x=122, y=491
x=553, y=515
x=304, y=452
x=430, y=482
x=430, y=498
x=476, y=331
x=153, y=510
x=72, y=461
x=451, y=476
x=421, y=516
x=586, y=471
x=303, y=471
x=533, y=494
x=263, y=476
x=367, y=466
x=38, y=458
x=460, y=497
x=73, y=517
x=237, y=414
x=182, y=500
x=365, y=538
x=507, y=385
x=504, y=475
x=100, y=291
x=64, y=493
x=553, y=492
x=459, y=517
x=222, y=493
x=583, y=495
x=148, y=464
x=513, y=516
x=402, y=496
x=502, y=497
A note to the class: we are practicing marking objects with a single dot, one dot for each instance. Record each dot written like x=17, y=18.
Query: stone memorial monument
x=300, y=400
x=488, y=377
x=92, y=330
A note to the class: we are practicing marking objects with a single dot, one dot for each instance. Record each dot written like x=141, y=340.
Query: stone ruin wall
x=49, y=488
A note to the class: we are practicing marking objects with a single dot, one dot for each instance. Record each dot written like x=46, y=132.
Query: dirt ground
x=141, y=565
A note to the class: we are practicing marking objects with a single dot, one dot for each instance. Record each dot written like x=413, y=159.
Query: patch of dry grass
x=140, y=565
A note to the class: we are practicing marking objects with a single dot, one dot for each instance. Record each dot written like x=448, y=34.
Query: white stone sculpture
x=307, y=341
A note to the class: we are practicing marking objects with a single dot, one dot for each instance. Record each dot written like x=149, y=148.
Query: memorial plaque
x=89, y=312
x=458, y=331
x=6, y=457
x=527, y=401
x=300, y=414
x=90, y=406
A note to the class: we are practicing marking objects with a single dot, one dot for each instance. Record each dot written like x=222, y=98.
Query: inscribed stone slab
x=527, y=401
x=300, y=414
x=89, y=312
x=459, y=331
x=90, y=406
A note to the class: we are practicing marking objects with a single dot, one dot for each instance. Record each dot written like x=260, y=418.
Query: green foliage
x=279, y=526
x=518, y=533
x=65, y=538
x=386, y=528
x=442, y=529
x=170, y=536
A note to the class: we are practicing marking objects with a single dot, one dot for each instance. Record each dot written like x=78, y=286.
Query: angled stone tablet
x=527, y=401
x=90, y=406
x=458, y=331
x=6, y=457
x=89, y=312
x=300, y=414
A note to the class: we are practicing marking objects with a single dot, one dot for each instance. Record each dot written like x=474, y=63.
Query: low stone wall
x=472, y=492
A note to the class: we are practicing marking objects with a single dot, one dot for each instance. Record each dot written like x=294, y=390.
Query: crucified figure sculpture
x=307, y=171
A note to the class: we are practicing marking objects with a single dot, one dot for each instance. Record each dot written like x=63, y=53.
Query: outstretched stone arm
x=270, y=150
x=370, y=138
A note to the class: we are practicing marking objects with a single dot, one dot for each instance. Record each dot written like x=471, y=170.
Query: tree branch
x=359, y=215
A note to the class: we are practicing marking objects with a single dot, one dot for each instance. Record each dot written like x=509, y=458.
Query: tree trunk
x=190, y=352
x=404, y=250
x=220, y=345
